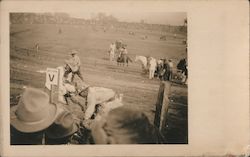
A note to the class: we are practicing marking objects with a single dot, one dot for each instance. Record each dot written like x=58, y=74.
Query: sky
x=171, y=18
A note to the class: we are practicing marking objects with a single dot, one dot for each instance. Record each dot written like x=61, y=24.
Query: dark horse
x=122, y=59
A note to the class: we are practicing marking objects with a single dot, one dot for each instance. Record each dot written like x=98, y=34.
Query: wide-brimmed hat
x=33, y=112
x=73, y=52
x=63, y=126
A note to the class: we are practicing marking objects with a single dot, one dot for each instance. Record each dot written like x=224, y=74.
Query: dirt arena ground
x=92, y=43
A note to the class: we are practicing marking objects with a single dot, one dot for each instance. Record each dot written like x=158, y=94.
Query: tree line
x=101, y=19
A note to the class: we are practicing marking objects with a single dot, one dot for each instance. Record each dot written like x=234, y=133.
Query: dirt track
x=139, y=92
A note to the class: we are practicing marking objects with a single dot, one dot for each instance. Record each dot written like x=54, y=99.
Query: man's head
x=33, y=113
x=62, y=129
x=73, y=52
x=124, y=126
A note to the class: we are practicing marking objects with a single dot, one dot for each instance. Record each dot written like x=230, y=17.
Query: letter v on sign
x=51, y=79
x=51, y=76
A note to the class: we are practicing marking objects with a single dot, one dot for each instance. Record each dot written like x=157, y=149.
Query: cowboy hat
x=62, y=127
x=33, y=112
x=73, y=52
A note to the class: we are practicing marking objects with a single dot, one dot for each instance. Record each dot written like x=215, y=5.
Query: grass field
x=92, y=43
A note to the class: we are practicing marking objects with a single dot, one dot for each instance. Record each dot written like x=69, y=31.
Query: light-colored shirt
x=171, y=65
x=125, y=51
x=112, y=47
x=74, y=63
x=76, y=60
x=152, y=63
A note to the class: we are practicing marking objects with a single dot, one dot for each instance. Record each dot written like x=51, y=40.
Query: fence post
x=54, y=94
x=162, y=105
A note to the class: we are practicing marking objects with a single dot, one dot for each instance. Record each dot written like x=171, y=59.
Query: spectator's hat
x=64, y=126
x=33, y=112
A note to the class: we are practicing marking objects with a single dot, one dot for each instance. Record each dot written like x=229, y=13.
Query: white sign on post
x=51, y=77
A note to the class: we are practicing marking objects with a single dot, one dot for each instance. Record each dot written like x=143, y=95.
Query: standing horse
x=143, y=61
x=148, y=64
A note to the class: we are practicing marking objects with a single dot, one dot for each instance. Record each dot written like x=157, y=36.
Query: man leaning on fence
x=73, y=65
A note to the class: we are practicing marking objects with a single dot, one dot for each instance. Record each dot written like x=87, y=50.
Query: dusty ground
x=92, y=43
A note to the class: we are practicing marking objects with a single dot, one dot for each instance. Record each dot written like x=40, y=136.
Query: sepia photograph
x=124, y=78
x=85, y=78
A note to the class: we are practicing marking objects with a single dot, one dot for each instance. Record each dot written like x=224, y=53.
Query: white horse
x=143, y=61
x=148, y=65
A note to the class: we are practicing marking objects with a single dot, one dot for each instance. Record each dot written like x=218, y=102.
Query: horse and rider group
x=118, y=51
x=163, y=69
